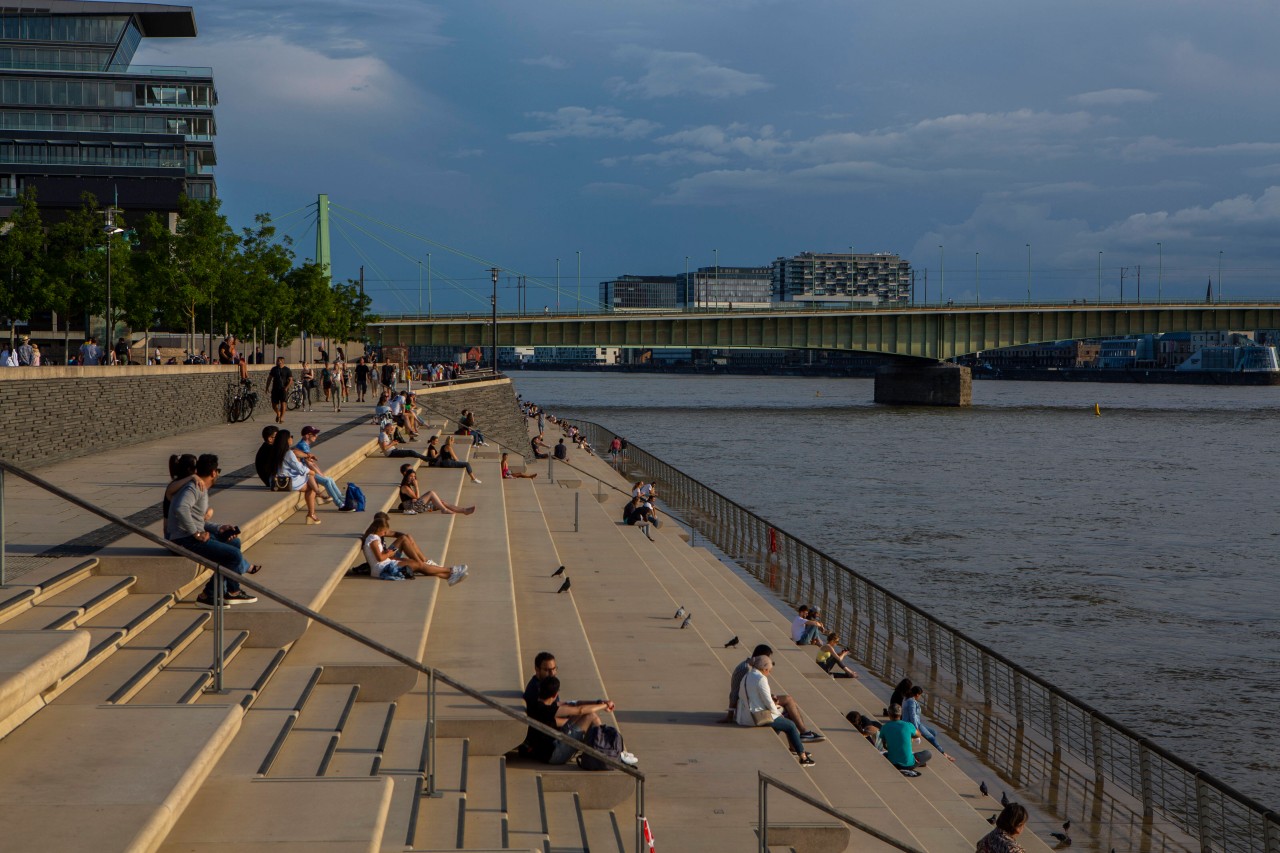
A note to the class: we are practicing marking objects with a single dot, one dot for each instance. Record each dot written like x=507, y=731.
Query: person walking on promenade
x=1004, y=838
x=389, y=376
x=188, y=525
x=913, y=712
x=90, y=354
x=362, y=379
x=895, y=740
x=227, y=350
x=26, y=355
x=279, y=380
x=404, y=554
x=757, y=708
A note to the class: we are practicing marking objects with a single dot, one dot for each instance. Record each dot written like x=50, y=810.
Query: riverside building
x=77, y=116
x=639, y=292
x=821, y=279
x=725, y=287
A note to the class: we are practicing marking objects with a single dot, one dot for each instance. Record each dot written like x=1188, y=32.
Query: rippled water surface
x=1129, y=558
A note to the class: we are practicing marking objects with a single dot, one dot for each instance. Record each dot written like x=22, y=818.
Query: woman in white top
x=287, y=464
x=755, y=700
x=387, y=563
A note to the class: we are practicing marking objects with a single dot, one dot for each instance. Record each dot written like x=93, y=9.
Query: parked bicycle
x=241, y=401
x=297, y=396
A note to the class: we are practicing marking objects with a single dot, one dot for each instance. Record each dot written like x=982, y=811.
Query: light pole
x=557, y=285
x=1219, y=275
x=977, y=280
x=1099, y=276
x=689, y=288
x=111, y=231
x=430, y=310
x=493, y=323
x=717, y=288
x=1028, y=273
x=419, y=289
x=579, y=281
x=1160, y=273
x=853, y=277
x=942, y=269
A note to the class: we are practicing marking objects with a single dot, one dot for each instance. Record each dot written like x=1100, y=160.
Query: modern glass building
x=725, y=287
x=834, y=278
x=77, y=116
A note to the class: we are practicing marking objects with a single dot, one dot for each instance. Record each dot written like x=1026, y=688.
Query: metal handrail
x=1269, y=840
x=334, y=625
x=762, y=801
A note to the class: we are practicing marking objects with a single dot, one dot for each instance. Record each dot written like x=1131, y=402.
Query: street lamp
x=493, y=323
x=111, y=231
x=1219, y=275
x=717, y=287
x=557, y=285
x=419, y=289
x=853, y=277
x=689, y=288
x=1028, y=273
x=1160, y=273
x=942, y=269
x=430, y=310
x=977, y=280
x=579, y=281
x=1099, y=276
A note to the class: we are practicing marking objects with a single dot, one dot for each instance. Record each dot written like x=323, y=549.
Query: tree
x=23, y=260
x=260, y=293
x=202, y=251
x=312, y=299
x=350, y=311
x=77, y=260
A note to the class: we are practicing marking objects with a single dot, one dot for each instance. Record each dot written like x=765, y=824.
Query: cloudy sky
x=640, y=133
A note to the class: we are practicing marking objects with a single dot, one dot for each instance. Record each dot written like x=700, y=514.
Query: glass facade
x=829, y=277
x=75, y=115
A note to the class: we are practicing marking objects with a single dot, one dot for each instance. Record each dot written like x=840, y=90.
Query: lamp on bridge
x=111, y=230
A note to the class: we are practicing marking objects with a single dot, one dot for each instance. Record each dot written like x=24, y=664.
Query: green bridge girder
x=925, y=332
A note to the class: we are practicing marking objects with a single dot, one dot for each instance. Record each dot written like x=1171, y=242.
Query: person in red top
x=508, y=475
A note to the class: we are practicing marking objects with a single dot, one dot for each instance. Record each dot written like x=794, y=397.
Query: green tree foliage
x=23, y=262
x=77, y=261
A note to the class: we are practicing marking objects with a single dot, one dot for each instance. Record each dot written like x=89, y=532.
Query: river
x=1129, y=558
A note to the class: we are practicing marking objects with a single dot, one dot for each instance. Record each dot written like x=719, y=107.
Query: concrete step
x=254, y=816
x=289, y=688
x=32, y=662
x=41, y=583
x=440, y=820
x=76, y=603
x=526, y=810
x=566, y=828
x=119, y=775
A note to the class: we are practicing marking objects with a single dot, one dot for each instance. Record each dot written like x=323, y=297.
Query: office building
x=639, y=292
x=76, y=115
x=834, y=278
x=725, y=287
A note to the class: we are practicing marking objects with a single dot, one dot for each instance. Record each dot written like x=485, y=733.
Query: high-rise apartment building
x=832, y=278
x=76, y=115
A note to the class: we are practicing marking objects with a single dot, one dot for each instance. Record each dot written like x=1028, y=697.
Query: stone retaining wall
x=52, y=413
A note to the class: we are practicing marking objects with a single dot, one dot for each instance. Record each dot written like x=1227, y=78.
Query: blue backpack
x=354, y=500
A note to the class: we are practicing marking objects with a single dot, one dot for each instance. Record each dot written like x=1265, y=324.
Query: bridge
x=933, y=332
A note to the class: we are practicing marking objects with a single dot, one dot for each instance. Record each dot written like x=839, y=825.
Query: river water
x=1130, y=558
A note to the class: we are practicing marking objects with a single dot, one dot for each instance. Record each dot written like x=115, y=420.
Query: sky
x=996, y=145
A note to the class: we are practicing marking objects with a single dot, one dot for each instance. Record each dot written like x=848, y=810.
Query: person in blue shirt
x=912, y=712
x=303, y=447
x=895, y=740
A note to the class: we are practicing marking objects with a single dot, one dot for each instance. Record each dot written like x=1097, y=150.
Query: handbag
x=281, y=483
x=763, y=717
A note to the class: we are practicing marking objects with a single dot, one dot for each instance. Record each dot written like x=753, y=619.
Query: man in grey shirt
x=188, y=525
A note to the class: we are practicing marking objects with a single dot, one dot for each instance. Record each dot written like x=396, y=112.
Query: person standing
x=362, y=379
x=279, y=379
x=122, y=351
x=25, y=353
x=227, y=350
x=389, y=376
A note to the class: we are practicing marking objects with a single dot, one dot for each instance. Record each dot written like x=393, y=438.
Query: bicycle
x=296, y=397
x=241, y=401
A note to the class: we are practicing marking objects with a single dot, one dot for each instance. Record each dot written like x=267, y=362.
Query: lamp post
x=942, y=277
x=717, y=288
x=853, y=277
x=111, y=231
x=1099, y=276
x=579, y=281
x=977, y=280
x=1028, y=273
x=1219, y=275
x=1160, y=273
x=419, y=289
x=430, y=311
x=493, y=323
x=689, y=288
x=557, y=285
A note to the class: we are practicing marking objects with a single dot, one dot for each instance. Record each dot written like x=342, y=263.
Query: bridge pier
x=924, y=384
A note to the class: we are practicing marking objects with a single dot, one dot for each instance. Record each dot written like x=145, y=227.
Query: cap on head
x=310, y=430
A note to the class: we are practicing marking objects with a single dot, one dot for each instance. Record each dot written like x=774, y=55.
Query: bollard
x=576, y=496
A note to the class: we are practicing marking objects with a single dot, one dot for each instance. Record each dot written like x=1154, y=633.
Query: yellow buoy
x=1097, y=410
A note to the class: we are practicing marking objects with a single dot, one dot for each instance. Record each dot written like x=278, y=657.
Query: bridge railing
x=1067, y=755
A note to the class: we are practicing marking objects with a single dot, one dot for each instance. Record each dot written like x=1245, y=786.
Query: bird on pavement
x=688, y=620
x=679, y=612
x=1004, y=797
x=564, y=587
x=984, y=789
x=1064, y=840
x=992, y=820
x=732, y=644
x=1066, y=825
x=558, y=572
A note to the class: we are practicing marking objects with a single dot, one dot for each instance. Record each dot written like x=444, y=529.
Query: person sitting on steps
x=790, y=709
x=188, y=525
x=507, y=473
x=413, y=502
x=574, y=720
x=806, y=626
x=756, y=707
x=390, y=564
x=831, y=658
x=894, y=739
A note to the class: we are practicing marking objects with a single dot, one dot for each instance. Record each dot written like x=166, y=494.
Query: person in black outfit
x=574, y=720
x=122, y=352
x=562, y=452
x=225, y=354
x=538, y=446
x=362, y=380
x=389, y=376
x=279, y=378
x=262, y=462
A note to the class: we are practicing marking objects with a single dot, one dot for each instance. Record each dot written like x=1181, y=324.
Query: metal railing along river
x=1070, y=757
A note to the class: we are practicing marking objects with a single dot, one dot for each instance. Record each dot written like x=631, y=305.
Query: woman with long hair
x=449, y=459
x=507, y=473
x=286, y=463
x=412, y=501
x=390, y=563
x=182, y=467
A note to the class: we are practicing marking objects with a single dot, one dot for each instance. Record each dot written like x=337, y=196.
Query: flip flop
x=253, y=570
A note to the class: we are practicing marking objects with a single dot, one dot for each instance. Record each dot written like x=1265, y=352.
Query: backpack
x=606, y=739
x=355, y=499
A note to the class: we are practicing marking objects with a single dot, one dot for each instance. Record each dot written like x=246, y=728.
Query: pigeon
x=1004, y=798
x=680, y=612
x=732, y=644
x=688, y=620
x=992, y=820
x=1064, y=840
x=564, y=587
x=558, y=572
x=984, y=789
x=1066, y=826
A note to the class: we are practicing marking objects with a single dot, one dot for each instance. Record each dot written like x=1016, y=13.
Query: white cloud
x=1113, y=97
x=668, y=73
x=555, y=63
x=583, y=123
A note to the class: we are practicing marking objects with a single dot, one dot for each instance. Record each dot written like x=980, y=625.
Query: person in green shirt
x=895, y=741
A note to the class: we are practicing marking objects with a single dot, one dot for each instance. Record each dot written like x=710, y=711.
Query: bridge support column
x=924, y=385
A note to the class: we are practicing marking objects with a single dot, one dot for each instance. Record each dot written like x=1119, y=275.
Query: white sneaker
x=457, y=574
x=629, y=759
x=475, y=482
x=410, y=512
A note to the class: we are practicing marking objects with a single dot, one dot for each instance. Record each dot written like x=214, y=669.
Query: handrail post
x=218, y=606
x=551, y=469
x=762, y=815
x=431, y=734
x=640, y=842
x=576, y=496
